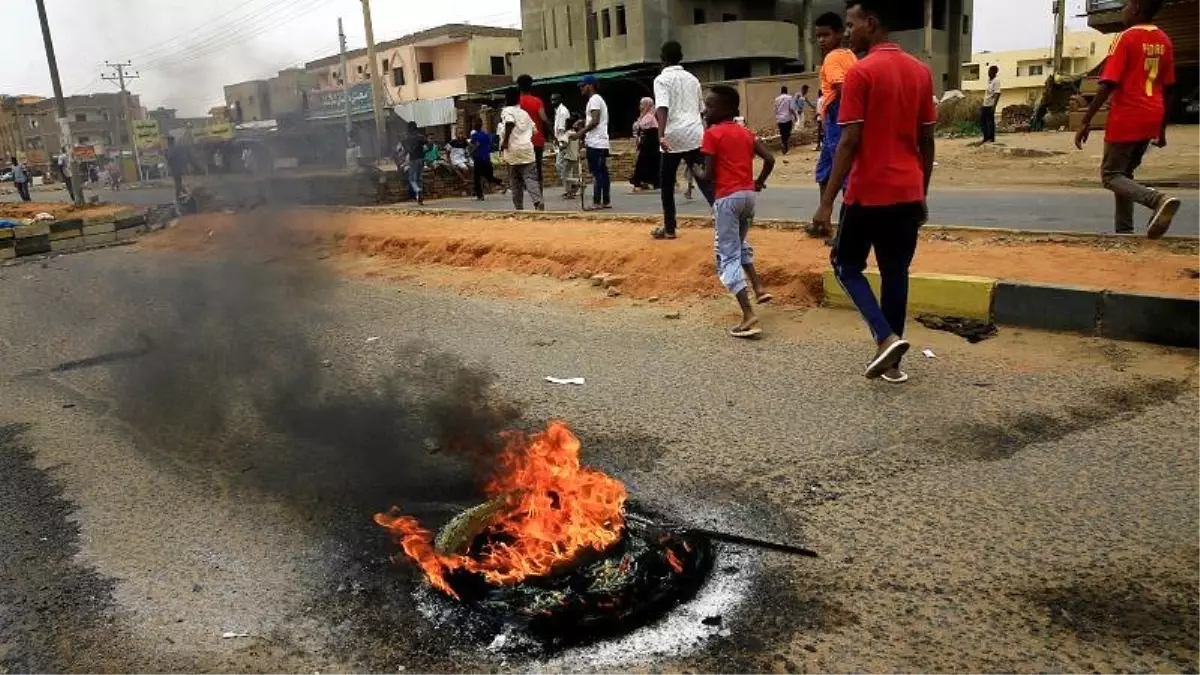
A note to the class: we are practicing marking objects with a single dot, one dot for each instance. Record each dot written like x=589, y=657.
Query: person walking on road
x=680, y=102
x=480, y=144
x=177, y=161
x=987, y=113
x=837, y=61
x=562, y=118
x=64, y=170
x=20, y=176
x=729, y=149
x=414, y=143
x=536, y=110
x=802, y=107
x=595, y=141
x=1139, y=68
x=518, y=151
x=785, y=116
x=647, y=170
x=887, y=151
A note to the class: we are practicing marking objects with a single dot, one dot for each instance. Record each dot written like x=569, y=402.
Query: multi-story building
x=16, y=122
x=721, y=39
x=248, y=101
x=287, y=92
x=1023, y=72
x=435, y=64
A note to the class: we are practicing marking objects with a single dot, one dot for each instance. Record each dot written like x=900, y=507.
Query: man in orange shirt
x=1139, y=68
x=836, y=62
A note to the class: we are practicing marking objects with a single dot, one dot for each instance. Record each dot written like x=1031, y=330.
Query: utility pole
x=119, y=78
x=810, y=59
x=377, y=93
x=1060, y=25
x=64, y=125
x=345, y=80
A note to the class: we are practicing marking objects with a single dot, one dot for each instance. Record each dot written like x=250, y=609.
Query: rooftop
x=450, y=32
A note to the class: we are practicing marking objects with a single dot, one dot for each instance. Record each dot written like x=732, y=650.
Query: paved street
x=191, y=446
x=1072, y=210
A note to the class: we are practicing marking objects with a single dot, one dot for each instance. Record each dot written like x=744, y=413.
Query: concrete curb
x=941, y=294
x=71, y=234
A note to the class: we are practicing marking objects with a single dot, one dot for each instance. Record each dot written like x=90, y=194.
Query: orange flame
x=553, y=510
x=673, y=561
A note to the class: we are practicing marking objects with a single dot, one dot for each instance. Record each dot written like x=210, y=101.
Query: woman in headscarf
x=645, y=130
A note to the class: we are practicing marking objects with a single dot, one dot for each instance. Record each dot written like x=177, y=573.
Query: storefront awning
x=573, y=79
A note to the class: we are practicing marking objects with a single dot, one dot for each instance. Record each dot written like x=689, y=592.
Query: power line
x=196, y=35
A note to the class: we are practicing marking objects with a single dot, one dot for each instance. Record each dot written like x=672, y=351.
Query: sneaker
x=661, y=233
x=1160, y=222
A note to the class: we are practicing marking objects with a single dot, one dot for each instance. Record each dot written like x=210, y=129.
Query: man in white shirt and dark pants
x=561, y=115
x=987, y=114
x=517, y=150
x=595, y=141
x=680, y=103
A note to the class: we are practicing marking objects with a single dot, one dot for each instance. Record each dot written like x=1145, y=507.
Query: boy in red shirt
x=1140, y=66
x=887, y=118
x=729, y=150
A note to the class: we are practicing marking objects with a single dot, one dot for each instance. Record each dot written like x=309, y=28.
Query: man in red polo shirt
x=541, y=124
x=1139, y=68
x=887, y=117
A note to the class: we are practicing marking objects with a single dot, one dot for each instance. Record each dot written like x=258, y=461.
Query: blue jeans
x=892, y=232
x=416, y=168
x=597, y=159
x=831, y=137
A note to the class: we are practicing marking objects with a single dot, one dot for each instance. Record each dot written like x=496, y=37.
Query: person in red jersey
x=541, y=123
x=1139, y=70
x=729, y=150
x=887, y=117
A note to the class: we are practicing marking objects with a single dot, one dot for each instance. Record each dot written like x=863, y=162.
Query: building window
x=737, y=69
x=939, y=14
x=385, y=66
x=698, y=16
x=426, y=74
x=360, y=70
x=592, y=27
x=1093, y=49
x=970, y=73
x=966, y=27
x=569, y=36
x=80, y=117
x=728, y=17
x=621, y=28
x=83, y=140
x=398, y=76
x=498, y=65
x=124, y=139
x=605, y=23
x=1035, y=70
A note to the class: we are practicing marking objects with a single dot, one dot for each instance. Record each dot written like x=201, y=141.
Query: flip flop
x=896, y=380
x=745, y=333
x=888, y=359
x=765, y=298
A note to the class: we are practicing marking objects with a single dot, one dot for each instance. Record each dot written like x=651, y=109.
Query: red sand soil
x=790, y=263
x=59, y=210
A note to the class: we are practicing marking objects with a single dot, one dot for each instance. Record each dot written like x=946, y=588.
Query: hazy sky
x=186, y=50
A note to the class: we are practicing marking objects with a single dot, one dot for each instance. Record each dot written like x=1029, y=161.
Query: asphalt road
x=195, y=445
x=1071, y=210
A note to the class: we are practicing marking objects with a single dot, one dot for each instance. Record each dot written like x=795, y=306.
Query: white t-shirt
x=679, y=92
x=520, y=143
x=561, y=115
x=992, y=96
x=598, y=137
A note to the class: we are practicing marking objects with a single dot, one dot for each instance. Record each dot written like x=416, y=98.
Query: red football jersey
x=1140, y=64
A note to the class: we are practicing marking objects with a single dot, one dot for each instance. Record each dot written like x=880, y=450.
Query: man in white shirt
x=785, y=116
x=680, y=104
x=561, y=115
x=987, y=114
x=516, y=149
x=595, y=140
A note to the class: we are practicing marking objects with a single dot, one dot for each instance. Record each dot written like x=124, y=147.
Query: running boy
x=1140, y=66
x=729, y=150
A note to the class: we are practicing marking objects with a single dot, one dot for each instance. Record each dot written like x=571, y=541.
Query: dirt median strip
x=791, y=264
